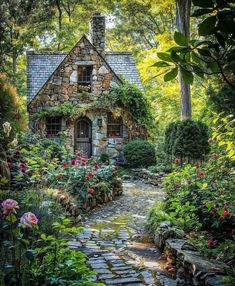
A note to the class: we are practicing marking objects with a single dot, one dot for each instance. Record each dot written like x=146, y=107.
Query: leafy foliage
x=139, y=153
x=223, y=100
x=211, y=56
x=187, y=140
x=131, y=98
x=11, y=111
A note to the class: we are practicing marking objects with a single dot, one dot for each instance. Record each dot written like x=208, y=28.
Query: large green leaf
x=204, y=52
x=204, y=3
x=161, y=64
x=200, y=12
x=207, y=26
x=165, y=57
x=186, y=75
x=175, y=57
x=180, y=39
x=198, y=71
x=171, y=74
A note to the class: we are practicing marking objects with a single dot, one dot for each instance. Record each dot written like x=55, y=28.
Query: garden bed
x=186, y=263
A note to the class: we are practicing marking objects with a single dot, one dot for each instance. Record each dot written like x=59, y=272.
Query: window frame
x=112, y=122
x=54, y=127
x=84, y=78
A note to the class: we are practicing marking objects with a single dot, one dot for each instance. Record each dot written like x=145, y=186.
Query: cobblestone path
x=115, y=242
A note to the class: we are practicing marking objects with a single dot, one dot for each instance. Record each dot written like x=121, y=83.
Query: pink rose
x=9, y=205
x=91, y=191
x=83, y=163
x=73, y=162
x=177, y=161
x=29, y=219
x=211, y=243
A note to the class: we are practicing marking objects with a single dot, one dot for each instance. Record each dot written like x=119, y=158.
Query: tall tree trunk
x=59, y=20
x=183, y=8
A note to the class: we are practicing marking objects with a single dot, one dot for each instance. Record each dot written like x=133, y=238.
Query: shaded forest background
x=143, y=27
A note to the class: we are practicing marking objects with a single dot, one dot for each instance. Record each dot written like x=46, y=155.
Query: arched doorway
x=83, y=136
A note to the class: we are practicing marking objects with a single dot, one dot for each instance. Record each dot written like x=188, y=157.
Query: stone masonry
x=49, y=88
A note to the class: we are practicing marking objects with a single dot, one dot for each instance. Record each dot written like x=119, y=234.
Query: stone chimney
x=97, y=31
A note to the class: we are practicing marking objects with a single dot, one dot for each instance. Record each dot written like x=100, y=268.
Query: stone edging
x=191, y=266
x=149, y=177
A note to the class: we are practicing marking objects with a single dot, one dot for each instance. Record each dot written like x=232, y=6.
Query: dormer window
x=84, y=77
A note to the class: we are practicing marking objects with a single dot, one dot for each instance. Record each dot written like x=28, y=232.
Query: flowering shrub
x=83, y=176
x=201, y=195
x=31, y=257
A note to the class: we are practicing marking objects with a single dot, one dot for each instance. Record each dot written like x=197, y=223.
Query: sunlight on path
x=116, y=243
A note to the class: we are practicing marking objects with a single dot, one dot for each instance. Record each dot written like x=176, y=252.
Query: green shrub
x=187, y=140
x=140, y=153
x=104, y=158
x=12, y=111
x=157, y=215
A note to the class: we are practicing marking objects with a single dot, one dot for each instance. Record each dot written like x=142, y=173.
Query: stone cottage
x=81, y=77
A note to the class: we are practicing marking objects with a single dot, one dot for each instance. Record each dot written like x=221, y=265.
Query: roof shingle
x=40, y=66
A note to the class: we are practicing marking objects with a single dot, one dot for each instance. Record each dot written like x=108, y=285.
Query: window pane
x=53, y=126
x=84, y=75
x=115, y=126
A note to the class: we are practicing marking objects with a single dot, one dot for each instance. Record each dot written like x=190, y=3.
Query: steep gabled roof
x=42, y=65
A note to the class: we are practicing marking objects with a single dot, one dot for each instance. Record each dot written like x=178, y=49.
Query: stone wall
x=189, y=265
x=62, y=86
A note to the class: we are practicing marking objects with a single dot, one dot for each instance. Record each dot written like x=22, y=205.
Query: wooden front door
x=83, y=138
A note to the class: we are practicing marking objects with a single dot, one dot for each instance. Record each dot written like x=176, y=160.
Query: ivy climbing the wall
x=130, y=98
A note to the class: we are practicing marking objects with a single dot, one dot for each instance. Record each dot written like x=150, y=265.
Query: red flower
x=23, y=170
x=216, y=155
x=78, y=154
x=210, y=140
x=18, y=152
x=23, y=165
x=89, y=176
x=226, y=207
x=224, y=215
x=83, y=163
x=73, y=162
x=115, y=168
x=91, y=191
x=211, y=243
x=9, y=164
x=201, y=174
x=64, y=164
x=177, y=161
x=96, y=167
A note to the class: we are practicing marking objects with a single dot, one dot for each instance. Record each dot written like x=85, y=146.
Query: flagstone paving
x=115, y=241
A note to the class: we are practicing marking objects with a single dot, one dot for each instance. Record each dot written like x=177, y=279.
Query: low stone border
x=192, y=268
x=70, y=201
x=149, y=177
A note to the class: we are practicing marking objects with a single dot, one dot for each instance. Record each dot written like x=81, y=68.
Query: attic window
x=115, y=126
x=84, y=76
x=53, y=126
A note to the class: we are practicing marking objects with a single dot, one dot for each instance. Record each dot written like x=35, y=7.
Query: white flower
x=7, y=128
